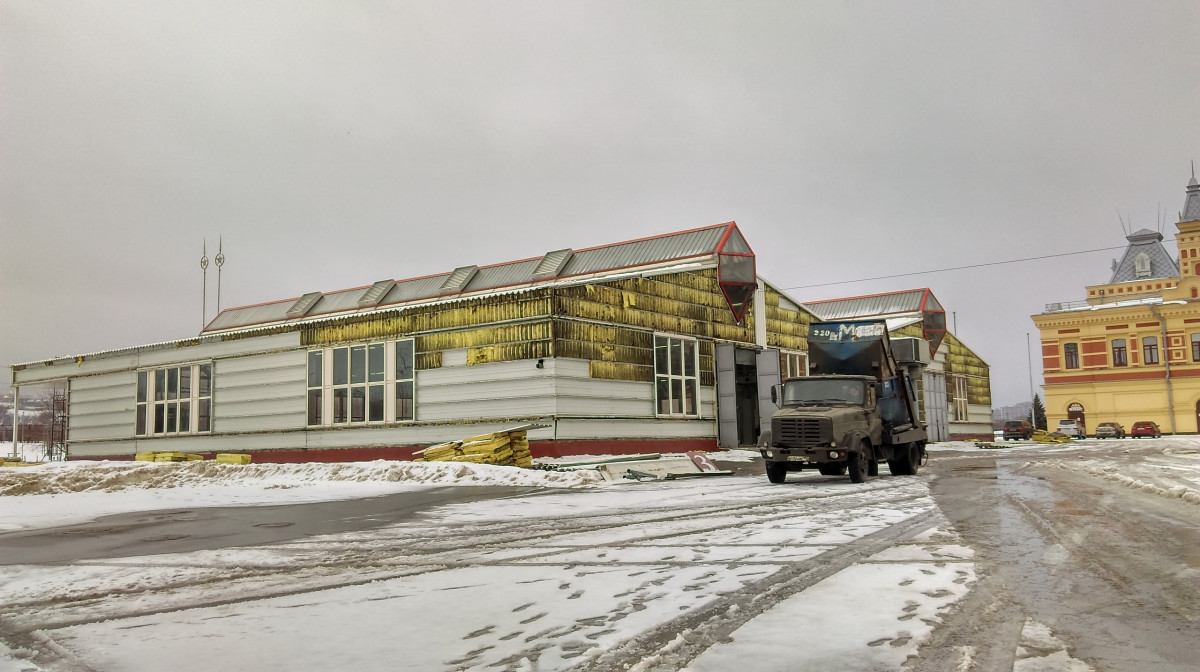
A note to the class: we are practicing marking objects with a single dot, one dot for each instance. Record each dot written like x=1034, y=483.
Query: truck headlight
x=833, y=454
x=769, y=453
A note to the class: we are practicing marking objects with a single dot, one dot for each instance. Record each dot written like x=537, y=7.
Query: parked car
x=1110, y=430
x=1072, y=428
x=1017, y=429
x=1145, y=428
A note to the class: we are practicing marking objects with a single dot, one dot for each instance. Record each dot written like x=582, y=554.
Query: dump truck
x=856, y=408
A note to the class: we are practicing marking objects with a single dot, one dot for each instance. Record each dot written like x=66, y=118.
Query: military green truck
x=857, y=408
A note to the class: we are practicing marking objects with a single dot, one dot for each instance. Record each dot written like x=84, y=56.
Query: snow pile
x=105, y=476
x=1113, y=473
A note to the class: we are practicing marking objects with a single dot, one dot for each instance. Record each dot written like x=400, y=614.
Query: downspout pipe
x=1166, y=351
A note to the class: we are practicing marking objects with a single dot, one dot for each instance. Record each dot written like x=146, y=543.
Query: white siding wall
x=498, y=390
x=260, y=392
x=157, y=355
x=102, y=407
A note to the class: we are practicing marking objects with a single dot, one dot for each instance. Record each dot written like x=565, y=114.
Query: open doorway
x=744, y=380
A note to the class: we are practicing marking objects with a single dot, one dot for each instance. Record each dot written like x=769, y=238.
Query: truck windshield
x=799, y=392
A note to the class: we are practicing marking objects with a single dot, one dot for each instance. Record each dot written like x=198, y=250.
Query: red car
x=1145, y=428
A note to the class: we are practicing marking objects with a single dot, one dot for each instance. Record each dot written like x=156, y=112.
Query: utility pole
x=1032, y=396
x=220, y=261
x=204, y=287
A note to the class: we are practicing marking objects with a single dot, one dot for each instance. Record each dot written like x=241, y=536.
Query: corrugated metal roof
x=1159, y=262
x=596, y=260
x=876, y=305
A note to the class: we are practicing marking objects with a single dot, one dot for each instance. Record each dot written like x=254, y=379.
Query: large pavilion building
x=661, y=344
x=1130, y=351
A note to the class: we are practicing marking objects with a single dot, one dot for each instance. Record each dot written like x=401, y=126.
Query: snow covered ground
x=703, y=575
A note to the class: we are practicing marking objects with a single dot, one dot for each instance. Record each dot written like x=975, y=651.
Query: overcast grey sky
x=333, y=144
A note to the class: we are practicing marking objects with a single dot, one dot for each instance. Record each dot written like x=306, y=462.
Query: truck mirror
x=774, y=395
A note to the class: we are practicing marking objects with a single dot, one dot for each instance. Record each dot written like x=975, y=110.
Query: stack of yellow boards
x=509, y=448
x=171, y=456
x=166, y=456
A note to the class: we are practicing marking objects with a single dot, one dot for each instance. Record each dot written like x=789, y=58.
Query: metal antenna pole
x=204, y=287
x=220, y=261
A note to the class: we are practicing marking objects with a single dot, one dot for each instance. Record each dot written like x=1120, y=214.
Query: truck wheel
x=859, y=466
x=776, y=472
x=914, y=458
x=832, y=469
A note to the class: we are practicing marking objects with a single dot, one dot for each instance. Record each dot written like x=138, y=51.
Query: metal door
x=768, y=376
x=727, y=435
x=936, y=406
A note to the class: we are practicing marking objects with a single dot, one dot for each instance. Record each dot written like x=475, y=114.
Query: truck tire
x=908, y=460
x=832, y=469
x=859, y=465
x=776, y=472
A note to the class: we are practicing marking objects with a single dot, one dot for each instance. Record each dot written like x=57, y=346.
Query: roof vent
x=304, y=304
x=374, y=295
x=458, y=280
x=552, y=265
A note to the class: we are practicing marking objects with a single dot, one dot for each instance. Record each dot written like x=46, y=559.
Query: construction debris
x=1042, y=436
x=506, y=448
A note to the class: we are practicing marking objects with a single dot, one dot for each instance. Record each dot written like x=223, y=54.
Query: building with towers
x=1131, y=350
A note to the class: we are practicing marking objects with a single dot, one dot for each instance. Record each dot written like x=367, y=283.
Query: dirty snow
x=62, y=493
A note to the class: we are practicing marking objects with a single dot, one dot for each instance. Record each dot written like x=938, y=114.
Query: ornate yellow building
x=1131, y=351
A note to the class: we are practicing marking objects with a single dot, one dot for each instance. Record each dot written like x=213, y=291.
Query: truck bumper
x=802, y=456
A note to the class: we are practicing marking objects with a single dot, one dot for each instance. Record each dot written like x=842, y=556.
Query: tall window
x=1196, y=347
x=793, y=364
x=1071, y=355
x=676, y=376
x=404, y=380
x=174, y=400
x=1150, y=350
x=958, y=399
x=354, y=384
x=1119, y=357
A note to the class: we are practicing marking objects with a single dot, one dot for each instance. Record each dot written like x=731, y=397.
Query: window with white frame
x=174, y=400
x=793, y=364
x=958, y=397
x=676, y=376
x=361, y=384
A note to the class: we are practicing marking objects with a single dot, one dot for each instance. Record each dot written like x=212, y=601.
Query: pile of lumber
x=166, y=456
x=507, y=448
x=173, y=456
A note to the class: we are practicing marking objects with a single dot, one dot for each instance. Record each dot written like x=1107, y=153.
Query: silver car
x=1072, y=428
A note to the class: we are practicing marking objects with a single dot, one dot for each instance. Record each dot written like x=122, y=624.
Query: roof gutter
x=1166, y=350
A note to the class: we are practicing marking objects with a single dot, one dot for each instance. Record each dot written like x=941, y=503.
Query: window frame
x=667, y=380
x=1123, y=359
x=793, y=364
x=168, y=397
x=1195, y=339
x=1150, y=350
x=358, y=384
x=1070, y=355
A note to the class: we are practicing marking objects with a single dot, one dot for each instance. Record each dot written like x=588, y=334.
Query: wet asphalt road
x=184, y=530
x=1113, y=571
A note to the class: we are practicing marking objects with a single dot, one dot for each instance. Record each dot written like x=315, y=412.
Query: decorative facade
x=1131, y=351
